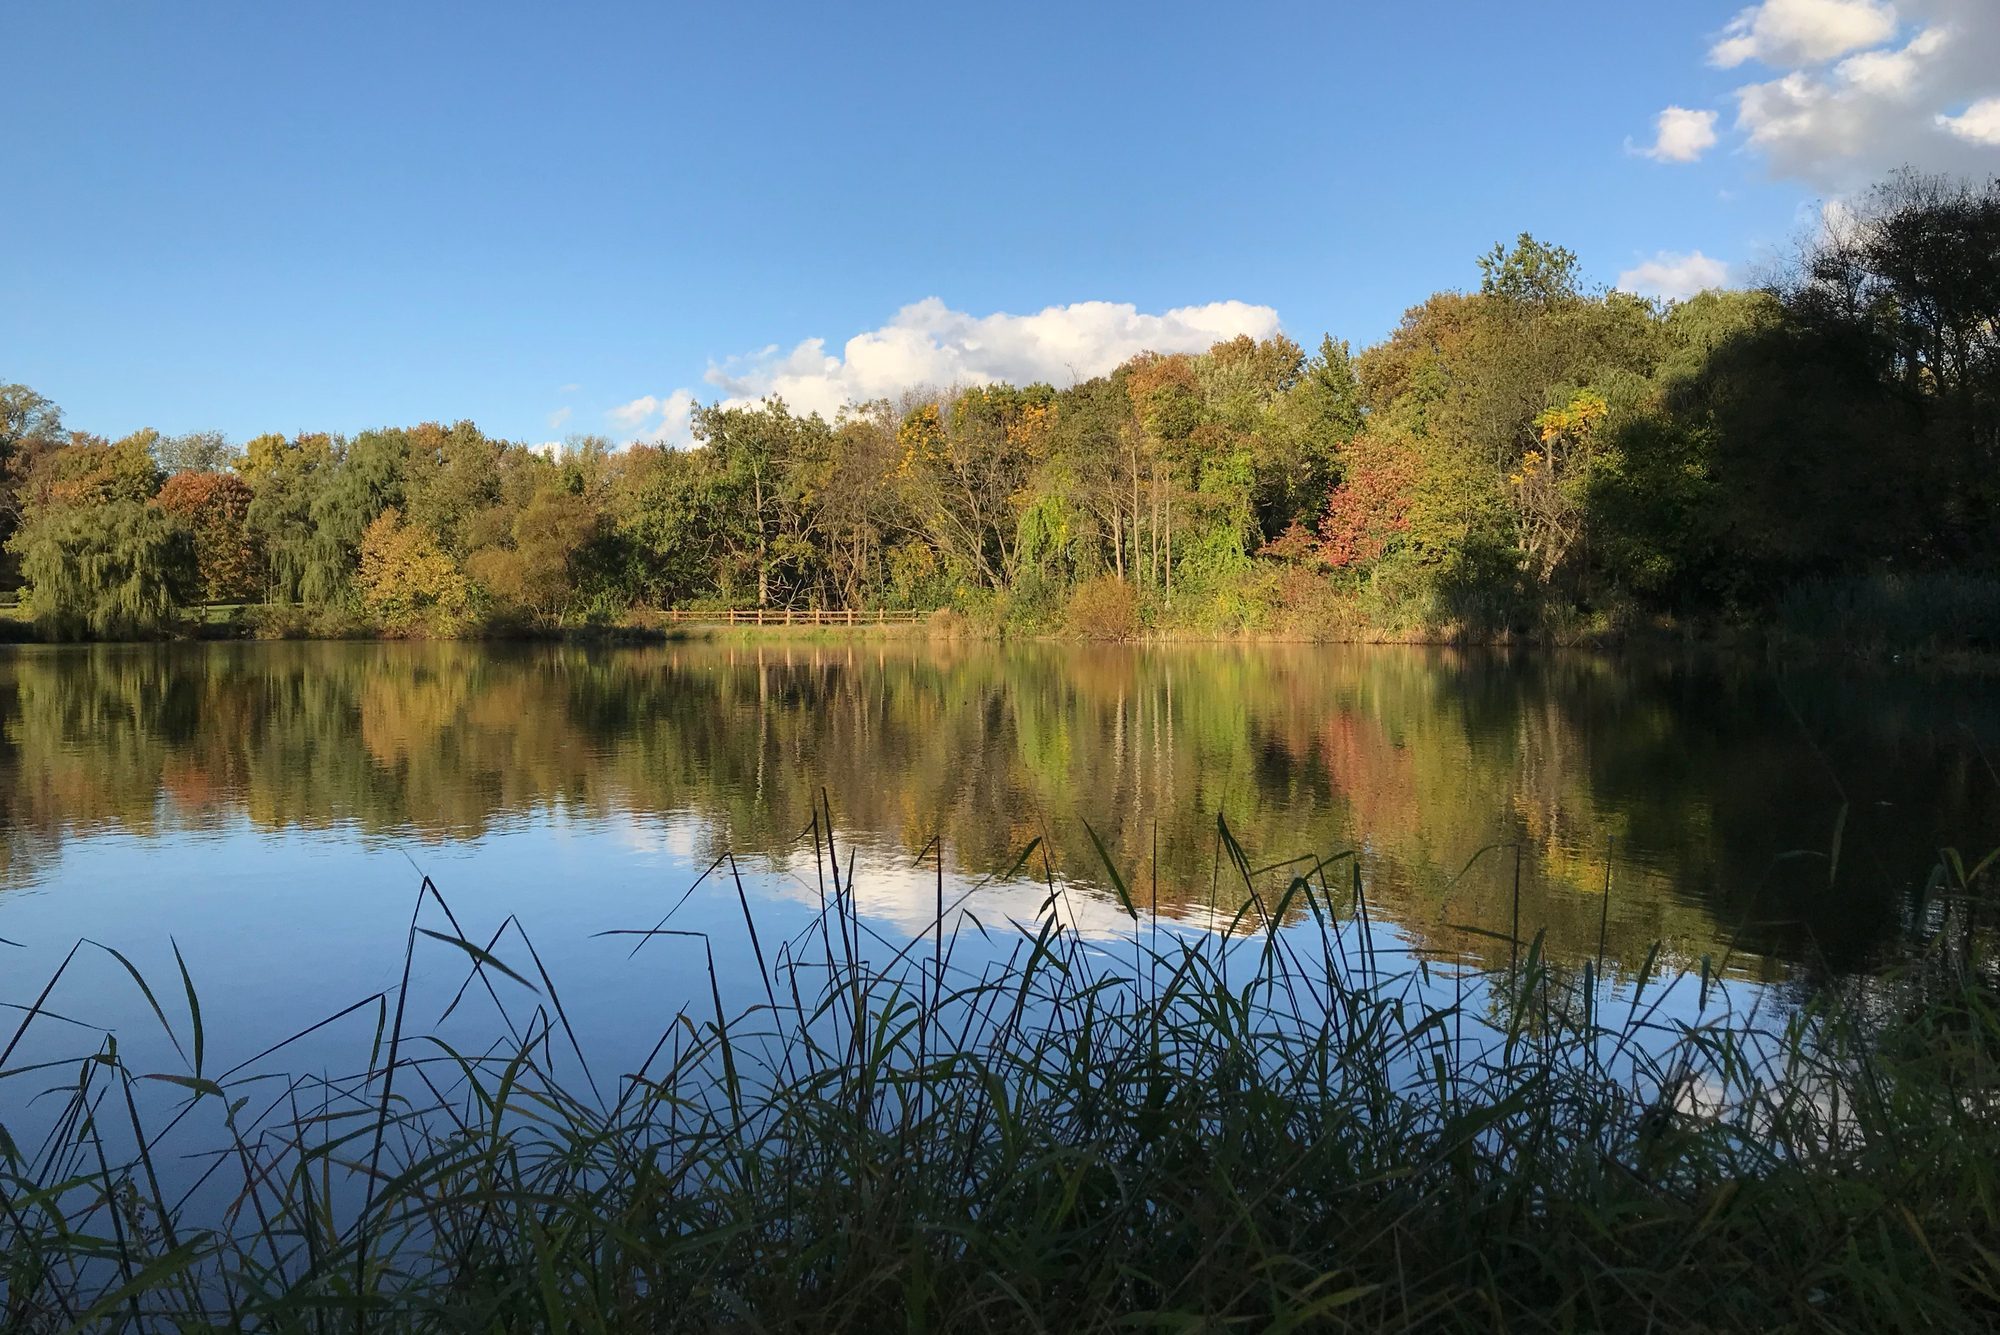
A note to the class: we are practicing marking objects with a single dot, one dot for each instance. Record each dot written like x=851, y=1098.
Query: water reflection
x=1682, y=787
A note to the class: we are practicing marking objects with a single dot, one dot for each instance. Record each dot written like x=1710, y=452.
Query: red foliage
x=1371, y=506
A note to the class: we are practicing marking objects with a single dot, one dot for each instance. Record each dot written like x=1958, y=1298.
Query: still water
x=271, y=808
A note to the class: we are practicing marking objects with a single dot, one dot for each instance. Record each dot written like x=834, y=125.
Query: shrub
x=1104, y=608
x=949, y=624
x=296, y=621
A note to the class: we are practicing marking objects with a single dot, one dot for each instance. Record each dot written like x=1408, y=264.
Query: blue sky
x=259, y=217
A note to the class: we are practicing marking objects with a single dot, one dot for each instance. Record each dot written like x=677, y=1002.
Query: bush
x=296, y=621
x=1104, y=608
x=949, y=624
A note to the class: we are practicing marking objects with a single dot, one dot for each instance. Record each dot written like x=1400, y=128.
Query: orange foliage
x=215, y=507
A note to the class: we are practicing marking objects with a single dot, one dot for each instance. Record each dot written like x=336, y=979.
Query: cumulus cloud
x=1978, y=123
x=930, y=344
x=1673, y=276
x=1681, y=135
x=1857, y=88
x=655, y=420
x=1803, y=32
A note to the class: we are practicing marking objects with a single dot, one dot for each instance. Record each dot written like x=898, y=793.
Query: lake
x=271, y=808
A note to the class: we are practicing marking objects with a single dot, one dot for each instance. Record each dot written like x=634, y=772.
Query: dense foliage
x=1527, y=456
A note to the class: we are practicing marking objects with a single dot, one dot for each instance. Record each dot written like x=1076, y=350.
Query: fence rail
x=783, y=616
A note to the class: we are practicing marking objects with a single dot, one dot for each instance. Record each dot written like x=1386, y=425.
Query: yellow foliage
x=407, y=581
x=921, y=437
x=1576, y=419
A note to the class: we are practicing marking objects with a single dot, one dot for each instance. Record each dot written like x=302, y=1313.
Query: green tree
x=662, y=512
x=536, y=569
x=366, y=478
x=449, y=475
x=1532, y=273
x=194, y=452
x=111, y=570
x=1316, y=417
x=286, y=476
x=30, y=426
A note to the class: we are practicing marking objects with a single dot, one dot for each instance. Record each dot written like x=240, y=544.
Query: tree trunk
x=763, y=548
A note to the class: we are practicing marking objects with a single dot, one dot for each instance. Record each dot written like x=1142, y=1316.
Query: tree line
x=1526, y=455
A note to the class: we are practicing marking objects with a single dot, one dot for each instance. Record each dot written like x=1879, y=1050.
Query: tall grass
x=1269, y=1126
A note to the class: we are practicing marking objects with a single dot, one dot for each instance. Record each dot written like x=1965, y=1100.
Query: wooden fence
x=786, y=616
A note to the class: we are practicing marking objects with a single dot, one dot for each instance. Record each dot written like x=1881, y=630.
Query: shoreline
x=946, y=626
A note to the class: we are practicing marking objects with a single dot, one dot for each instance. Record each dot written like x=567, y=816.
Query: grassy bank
x=1001, y=1129
x=1947, y=620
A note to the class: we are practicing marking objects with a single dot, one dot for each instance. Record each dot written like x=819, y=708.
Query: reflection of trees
x=1682, y=784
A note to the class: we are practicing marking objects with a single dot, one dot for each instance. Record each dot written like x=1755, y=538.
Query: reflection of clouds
x=889, y=890
x=675, y=836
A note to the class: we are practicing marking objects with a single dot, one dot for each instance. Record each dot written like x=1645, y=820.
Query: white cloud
x=930, y=344
x=1682, y=135
x=1786, y=33
x=1674, y=276
x=558, y=417
x=571, y=388
x=1978, y=123
x=653, y=420
x=1919, y=86
x=1892, y=72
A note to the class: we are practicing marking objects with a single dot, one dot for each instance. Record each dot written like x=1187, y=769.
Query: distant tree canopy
x=1515, y=456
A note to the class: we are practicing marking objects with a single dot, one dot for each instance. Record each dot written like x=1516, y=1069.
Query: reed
x=1275, y=1124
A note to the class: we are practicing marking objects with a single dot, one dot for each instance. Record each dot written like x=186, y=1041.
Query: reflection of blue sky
x=281, y=928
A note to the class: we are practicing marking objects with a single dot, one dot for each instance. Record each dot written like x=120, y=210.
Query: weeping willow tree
x=114, y=571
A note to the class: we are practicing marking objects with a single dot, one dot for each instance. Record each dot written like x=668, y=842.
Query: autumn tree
x=407, y=582
x=89, y=471
x=1552, y=484
x=215, y=509
x=963, y=465
x=535, y=568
